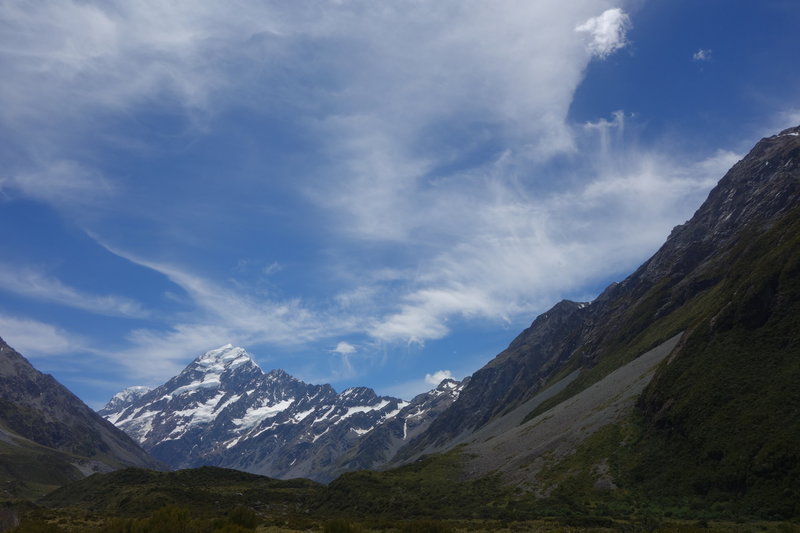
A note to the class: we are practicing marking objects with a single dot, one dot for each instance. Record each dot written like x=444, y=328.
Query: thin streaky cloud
x=34, y=283
x=38, y=339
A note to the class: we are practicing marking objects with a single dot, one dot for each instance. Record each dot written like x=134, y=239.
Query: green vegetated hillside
x=206, y=490
x=29, y=470
x=721, y=422
x=715, y=433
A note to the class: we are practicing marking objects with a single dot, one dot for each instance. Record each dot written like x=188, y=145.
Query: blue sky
x=358, y=192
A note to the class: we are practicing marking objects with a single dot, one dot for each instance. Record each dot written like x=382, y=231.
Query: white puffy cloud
x=344, y=348
x=437, y=377
x=607, y=32
x=702, y=54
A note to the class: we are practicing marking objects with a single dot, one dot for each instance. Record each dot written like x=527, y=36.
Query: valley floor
x=72, y=524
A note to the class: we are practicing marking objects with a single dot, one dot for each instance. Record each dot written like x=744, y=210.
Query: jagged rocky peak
x=279, y=374
x=753, y=194
x=358, y=395
x=791, y=132
x=448, y=385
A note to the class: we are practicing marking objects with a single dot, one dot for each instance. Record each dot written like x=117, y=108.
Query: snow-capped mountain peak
x=131, y=394
x=223, y=410
x=226, y=357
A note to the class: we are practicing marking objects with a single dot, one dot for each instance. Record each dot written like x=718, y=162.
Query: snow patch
x=321, y=434
x=255, y=415
x=141, y=426
x=325, y=416
x=365, y=409
x=396, y=412
x=299, y=417
x=204, y=412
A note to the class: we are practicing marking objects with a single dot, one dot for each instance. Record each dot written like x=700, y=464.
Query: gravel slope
x=518, y=452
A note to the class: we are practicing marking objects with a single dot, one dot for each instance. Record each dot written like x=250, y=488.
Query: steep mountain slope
x=650, y=306
x=48, y=436
x=223, y=410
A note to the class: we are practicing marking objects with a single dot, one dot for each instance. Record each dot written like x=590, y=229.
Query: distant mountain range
x=223, y=410
x=49, y=437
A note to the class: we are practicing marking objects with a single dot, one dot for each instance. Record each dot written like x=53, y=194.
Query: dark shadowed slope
x=48, y=435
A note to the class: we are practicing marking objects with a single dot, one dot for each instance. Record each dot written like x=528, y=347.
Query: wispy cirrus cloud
x=60, y=182
x=38, y=339
x=221, y=314
x=34, y=283
x=520, y=251
x=429, y=132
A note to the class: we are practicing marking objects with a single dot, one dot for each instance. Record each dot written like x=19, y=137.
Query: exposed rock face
x=380, y=445
x=223, y=410
x=755, y=194
x=37, y=412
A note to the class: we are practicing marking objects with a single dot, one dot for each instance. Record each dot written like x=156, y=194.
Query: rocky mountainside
x=223, y=410
x=634, y=315
x=379, y=446
x=49, y=436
